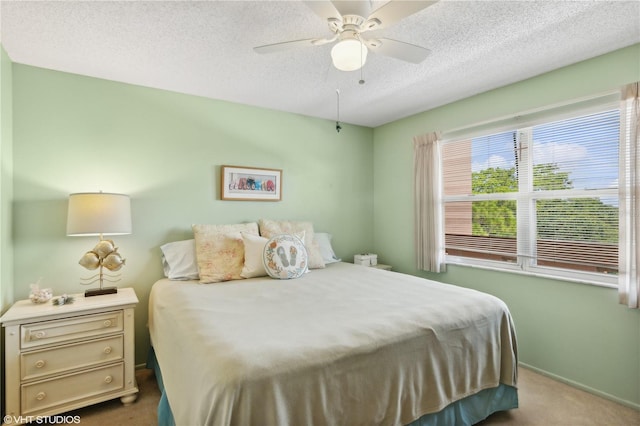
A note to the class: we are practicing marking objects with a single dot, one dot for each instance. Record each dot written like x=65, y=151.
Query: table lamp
x=100, y=213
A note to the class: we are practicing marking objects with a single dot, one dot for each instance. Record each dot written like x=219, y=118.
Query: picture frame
x=241, y=183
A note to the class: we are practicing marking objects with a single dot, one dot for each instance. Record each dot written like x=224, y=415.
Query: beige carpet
x=112, y=413
x=543, y=402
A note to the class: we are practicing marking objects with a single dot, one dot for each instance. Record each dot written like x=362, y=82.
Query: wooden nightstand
x=59, y=358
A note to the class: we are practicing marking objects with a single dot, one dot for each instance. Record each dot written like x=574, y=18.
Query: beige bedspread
x=344, y=345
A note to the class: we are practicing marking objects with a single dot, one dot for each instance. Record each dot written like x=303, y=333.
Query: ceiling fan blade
x=294, y=44
x=394, y=11
x=324, y=9
x=398, y=49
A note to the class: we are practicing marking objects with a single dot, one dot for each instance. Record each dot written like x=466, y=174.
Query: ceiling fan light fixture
x=349, y=54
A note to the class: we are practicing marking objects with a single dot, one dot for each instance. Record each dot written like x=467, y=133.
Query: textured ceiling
x=205, y=49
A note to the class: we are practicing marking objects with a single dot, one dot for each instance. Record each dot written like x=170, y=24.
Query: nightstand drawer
x=37, y=364
x=46, y=333
x=47, y=394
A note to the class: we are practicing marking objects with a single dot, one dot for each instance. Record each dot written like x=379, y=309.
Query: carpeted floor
x=543, y=402
x=113, y=413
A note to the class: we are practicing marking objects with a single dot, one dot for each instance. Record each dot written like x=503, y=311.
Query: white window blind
x=541, y=198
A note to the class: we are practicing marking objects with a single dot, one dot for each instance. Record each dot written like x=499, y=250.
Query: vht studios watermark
x=41, y=420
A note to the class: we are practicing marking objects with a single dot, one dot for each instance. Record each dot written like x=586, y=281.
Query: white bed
x=344, y=345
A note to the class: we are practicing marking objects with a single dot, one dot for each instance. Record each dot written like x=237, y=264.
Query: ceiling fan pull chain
x=338, y=126
x=361, y=62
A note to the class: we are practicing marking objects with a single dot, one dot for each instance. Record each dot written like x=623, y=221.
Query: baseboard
x=580, y=386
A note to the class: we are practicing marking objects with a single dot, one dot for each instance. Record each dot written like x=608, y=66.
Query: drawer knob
x=40, y=396
x=108, y=379
x=40, y=334
x=107, y=350
x=40, y=363
x=107, y=323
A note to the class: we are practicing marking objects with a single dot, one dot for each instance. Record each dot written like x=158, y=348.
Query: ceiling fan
x=346, y=22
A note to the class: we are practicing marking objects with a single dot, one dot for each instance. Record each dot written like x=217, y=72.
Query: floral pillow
x=271, y=228
x=285, y=257
x=220, y=250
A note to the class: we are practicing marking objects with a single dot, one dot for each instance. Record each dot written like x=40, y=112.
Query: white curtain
x=428, y=220
x=629, y=183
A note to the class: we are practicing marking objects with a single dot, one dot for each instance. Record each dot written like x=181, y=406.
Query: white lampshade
x=99, y=213
x=349, y=54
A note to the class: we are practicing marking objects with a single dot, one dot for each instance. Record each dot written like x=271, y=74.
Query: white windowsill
x=516, y=269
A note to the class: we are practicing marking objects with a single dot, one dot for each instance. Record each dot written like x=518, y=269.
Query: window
x=540, y=198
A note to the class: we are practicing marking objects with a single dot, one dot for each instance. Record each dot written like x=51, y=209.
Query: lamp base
x=100, y=291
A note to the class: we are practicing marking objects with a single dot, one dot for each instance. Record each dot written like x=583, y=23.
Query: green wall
x=76, y=134
x=6, y=180
x=575, y=332
x=64, y=133
x=6, y=192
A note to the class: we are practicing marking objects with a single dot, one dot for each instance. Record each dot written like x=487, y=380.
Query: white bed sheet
x=344, y=345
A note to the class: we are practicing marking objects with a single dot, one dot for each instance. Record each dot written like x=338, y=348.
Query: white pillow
x=253, y=248
x=326, y=250
x=285, y=257
x=179, y=260
x=270, y=228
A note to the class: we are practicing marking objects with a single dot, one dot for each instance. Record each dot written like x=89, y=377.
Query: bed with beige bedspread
x=344, y=345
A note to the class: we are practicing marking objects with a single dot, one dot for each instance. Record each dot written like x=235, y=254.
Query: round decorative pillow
x=285, y=257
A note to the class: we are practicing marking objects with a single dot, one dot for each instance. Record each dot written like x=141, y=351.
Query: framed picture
x=250, y=184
